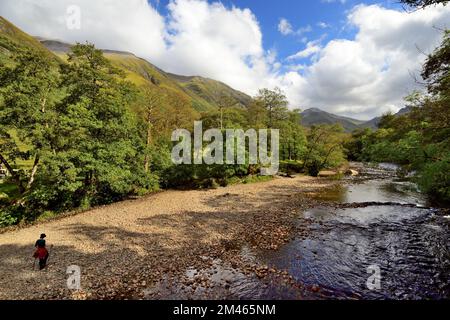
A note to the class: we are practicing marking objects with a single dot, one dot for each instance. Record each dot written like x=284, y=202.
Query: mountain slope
x=316, y=116
x=13, y=39
x=211, y=90
x=204, y=93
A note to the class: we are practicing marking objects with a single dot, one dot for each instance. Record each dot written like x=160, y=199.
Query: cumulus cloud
x=372, y=73
x=363, y=76
x=131, y=25
x=215, y=41
x=312, y=48
x=285, y=27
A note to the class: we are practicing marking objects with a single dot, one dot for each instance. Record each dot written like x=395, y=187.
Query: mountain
x=371, y=124
x=316, y=116
x=204, y=93
x=210, y=90
x=12, y=39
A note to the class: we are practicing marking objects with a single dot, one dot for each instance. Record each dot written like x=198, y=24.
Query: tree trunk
x=221, y=119
x=149, y=142
x=33, y=172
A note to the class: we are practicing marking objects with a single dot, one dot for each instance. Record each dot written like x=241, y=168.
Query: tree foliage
x=85, y=136
x=419, y=140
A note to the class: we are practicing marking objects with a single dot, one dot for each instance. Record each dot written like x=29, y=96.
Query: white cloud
x=130, y=25
x=332, y=1
x=217, y=42
x=323, y=25
x=312, y=48
x=372, y=73
x=365, y=76
x=285, y=27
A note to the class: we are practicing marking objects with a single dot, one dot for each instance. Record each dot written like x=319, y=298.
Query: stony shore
x=127, y=249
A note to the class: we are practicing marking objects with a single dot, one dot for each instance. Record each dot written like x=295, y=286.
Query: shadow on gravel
x=127, y=260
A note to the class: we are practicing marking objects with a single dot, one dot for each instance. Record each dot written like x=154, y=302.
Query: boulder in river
x=351, y=172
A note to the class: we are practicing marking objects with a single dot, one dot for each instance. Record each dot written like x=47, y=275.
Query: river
x=407, y=241
x=374, y=236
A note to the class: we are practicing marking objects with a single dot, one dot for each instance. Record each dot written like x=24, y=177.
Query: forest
x=76, y=133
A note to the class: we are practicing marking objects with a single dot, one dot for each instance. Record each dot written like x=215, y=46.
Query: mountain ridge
x=316, y=116
x=205, y=92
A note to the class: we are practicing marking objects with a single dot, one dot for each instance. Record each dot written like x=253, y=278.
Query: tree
x=276, y=105
x=29, y=91
x=225, y=101
x=100, y=153
x=325, y=148
x=257, y=117
x=436, y=69
x=151, y=99
x=292, y=136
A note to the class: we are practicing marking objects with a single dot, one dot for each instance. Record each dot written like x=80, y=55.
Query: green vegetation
x=420, y=139
x=90, y=128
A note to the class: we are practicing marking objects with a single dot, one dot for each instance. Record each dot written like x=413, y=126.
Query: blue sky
x=306, y=17
x=360, y=63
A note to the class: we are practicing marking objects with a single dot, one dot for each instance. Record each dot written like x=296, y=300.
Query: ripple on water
x=410, y=245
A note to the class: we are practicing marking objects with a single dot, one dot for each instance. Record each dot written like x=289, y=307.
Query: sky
x=349, y=57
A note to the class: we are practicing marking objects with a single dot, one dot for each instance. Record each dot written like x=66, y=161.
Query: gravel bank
x=125, y=248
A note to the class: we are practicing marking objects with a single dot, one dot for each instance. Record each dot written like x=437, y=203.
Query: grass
x=23, y=147
x=8, y=191
x=249, y=180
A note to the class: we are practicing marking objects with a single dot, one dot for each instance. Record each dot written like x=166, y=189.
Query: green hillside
x=316, y=116
x=205, y=94
x=141, y=72
x=12, y=39
x=211, y=90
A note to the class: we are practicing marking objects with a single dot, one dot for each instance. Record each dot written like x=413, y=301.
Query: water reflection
x=409, y=244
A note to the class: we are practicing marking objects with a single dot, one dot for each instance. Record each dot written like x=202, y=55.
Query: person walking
x=41, y=252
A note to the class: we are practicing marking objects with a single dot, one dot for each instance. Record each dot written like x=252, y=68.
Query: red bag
x=40, y=253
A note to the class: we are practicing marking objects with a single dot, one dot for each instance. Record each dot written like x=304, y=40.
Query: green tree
x=100, y=150
x=325, y=148
x=292, y=136
x=276, y=105
x=29, y=92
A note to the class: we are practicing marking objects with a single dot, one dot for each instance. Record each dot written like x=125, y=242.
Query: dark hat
x=43, y=235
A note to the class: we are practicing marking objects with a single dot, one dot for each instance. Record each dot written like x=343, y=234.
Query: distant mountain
x=204, y=93
x=316, y=116
x=372, y=124
x=211, y=90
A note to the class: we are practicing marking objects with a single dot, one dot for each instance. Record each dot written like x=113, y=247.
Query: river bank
x=288, y=238
x=125, y=249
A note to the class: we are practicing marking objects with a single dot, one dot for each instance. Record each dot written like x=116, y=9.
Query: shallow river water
x=396, y=235
x=377, y=239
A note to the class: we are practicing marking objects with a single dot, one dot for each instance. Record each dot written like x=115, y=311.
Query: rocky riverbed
x=135, y=249
x=289, y=238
